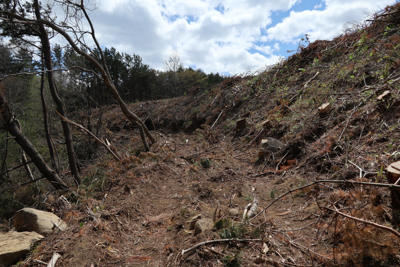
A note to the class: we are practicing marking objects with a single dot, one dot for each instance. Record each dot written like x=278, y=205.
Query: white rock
x=33, y=220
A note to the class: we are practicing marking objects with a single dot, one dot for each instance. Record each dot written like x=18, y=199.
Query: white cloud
x=324, y=24
x=216, y=35
x=318, y=6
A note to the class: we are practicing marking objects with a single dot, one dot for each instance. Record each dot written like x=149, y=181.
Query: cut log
x=384, y=96
x=324, y=110
x=266, y=124
x=393, y=176
x=240, y=125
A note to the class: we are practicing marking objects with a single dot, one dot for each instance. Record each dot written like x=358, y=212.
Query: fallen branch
x=91, y=134
x=305, y=250
x=262, y=130
x=216, y=119
x=277, y=166
x=387, y=14
x=305, y=85
x=91, y=214
x=19, y=185
x=116, y=217
x=264, y=174
x=218, y=241
x=323, y=181
x=386, y=228
x=17, y=167
x=39, y=261
x=54, y=259
x=361, y=170
x=56, y=225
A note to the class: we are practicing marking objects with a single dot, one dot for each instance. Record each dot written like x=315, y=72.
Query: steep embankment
x=206, y=163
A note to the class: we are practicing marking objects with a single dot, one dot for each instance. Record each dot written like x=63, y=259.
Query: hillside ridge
x=335, y=107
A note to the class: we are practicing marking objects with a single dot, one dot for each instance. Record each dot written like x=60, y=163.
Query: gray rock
x=14, y=246
x=269, y=144
x=233, y=212
x=203, y=225
x=33, y=220
x=193, y=220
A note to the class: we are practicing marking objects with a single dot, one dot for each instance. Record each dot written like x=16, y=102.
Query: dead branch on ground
x=319, y=182
x=383, y=227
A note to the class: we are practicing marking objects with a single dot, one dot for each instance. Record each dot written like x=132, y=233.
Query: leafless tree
x=173, y=64
x=46, y=50
x=76, y=14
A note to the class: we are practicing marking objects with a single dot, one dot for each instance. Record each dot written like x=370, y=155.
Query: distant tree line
x=41, y=79
x=134, y=80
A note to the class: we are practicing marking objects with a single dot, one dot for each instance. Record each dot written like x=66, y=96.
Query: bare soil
x=138, y=211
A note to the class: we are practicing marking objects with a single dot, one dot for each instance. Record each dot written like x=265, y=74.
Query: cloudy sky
x=228, y=37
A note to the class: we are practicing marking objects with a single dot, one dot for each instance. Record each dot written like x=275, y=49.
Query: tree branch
x=386, y=228
x=324, y=181
x=91, y=134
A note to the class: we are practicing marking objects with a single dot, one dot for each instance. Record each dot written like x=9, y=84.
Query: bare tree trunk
x=46, y=125
x=56, y=97
x=12, y=125
x=4, y=163
x=106, y=78
x=23, y=157
x=101, y=66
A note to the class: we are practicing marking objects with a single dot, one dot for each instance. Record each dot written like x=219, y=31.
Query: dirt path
x=142, y=217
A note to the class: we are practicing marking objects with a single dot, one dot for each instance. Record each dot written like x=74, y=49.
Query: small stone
x=233, y=212
x=324, y=110
x=193, y=221
x=203, y=225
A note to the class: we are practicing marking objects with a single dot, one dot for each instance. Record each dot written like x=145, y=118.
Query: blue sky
x=232, y=36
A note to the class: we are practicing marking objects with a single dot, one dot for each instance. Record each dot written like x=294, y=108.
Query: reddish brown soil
x=137, y=212
x=142, y=215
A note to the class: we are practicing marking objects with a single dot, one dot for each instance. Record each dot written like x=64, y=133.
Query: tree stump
x=393, y=176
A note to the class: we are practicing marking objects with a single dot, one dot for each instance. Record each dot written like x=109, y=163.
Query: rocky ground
x=334, y=106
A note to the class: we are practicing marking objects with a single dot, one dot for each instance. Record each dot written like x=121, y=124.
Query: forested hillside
x=41, y=79
x=170, y=169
